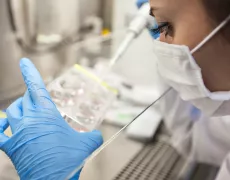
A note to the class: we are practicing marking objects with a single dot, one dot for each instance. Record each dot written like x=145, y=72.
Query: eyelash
x=163, y=27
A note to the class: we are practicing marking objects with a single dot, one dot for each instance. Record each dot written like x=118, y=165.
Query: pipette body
x=142, y=21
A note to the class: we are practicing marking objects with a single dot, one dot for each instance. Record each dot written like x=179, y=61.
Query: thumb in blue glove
x=43, y=146
x=3, y=126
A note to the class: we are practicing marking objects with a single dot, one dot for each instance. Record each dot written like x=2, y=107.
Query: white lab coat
x=206, y=140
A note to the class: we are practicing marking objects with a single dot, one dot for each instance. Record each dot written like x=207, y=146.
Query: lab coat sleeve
x=224, y=172
x=206, y=140
x=176, y=113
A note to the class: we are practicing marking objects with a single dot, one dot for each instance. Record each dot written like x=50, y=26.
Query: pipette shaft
x=122, y=49
x=142, y=21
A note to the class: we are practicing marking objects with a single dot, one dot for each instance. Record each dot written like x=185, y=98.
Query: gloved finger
x=14, y=114
x=36, y=87
x=3, y=139
x=139, y=3
x=26, y=102
x=154, y=35
x=3, y=126
x=96, y=139
x=76, y=176
x=96, y=132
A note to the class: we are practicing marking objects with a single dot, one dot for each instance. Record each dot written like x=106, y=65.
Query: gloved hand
x=139, y=3
x=43, y=145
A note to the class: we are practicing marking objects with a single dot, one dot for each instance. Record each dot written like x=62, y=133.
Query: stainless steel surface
x=107, y=6
x=156, y=161
x=58, y=17
x=89, y=8
x=10, y=76
x=28, y=19
x=109, y=163
x=159, y=161
x=204, y=172
x=41, y=31
x=42, y=22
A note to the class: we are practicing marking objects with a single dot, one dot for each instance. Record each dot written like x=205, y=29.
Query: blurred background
x=56, y=34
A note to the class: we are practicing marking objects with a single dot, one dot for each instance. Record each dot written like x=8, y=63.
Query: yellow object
x=2, y=114
x=105, y=32
x=95, y=78
x=8, y=130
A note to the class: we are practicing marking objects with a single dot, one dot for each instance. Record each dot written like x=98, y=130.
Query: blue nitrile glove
x=139, y=3
x=43, y=145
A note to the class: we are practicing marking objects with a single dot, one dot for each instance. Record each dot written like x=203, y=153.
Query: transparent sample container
x=81, y=97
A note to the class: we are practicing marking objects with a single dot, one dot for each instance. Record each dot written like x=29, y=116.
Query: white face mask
x=179, y=69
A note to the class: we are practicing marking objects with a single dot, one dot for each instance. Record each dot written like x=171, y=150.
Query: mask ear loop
x=212, y=34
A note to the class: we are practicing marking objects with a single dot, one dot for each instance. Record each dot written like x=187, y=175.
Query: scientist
x=193, y=58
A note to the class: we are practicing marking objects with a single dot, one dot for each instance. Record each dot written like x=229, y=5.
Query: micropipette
x=142, y=21
x=114, y=137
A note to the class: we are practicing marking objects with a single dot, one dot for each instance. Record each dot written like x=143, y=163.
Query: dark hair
x=218, y=10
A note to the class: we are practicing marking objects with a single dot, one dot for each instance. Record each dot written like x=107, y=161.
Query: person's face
x=187, y=23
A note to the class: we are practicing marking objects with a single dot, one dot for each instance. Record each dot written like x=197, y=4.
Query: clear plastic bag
x=82, y=98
